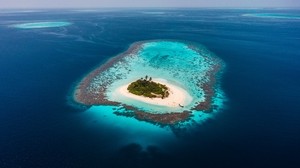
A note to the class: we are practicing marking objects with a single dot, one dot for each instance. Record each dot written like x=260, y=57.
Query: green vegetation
x=146, y=87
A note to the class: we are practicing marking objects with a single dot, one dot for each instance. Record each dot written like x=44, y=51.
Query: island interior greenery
x=148, y=88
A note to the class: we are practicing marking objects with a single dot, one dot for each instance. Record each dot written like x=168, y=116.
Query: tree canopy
x=146, y=87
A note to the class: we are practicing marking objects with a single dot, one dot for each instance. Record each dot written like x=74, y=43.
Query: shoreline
x=178, y=96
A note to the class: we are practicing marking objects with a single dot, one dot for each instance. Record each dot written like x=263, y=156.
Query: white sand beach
x=178, y=96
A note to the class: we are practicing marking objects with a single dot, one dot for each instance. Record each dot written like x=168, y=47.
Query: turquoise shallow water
x=130, y=129
x=37, y=25
x=273, y=15
x=180, y=63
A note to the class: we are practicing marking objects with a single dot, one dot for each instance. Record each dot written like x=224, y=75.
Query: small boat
x=180, y=105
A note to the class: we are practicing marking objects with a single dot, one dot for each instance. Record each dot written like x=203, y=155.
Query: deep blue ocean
x=41, y=127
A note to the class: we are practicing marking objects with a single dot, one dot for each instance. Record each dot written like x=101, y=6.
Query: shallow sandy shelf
x=38, y=25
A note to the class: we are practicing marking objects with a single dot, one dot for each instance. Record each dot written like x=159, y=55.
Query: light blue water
x=130, y=129
x=273, y=15
x=38, y=25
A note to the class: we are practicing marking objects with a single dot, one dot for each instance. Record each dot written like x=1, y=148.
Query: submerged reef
x=273, y=15
x=38, y=25
x=189, y=70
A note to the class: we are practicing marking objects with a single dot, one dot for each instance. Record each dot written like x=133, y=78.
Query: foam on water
x=38, y=25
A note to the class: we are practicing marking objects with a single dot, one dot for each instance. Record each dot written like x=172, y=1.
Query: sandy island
x=178, y=97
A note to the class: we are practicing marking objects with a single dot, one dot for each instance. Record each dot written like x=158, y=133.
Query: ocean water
x=40, y=125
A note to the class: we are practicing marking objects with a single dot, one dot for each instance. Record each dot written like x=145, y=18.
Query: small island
x=180, y=85
x=148, y=88
x=155, y=91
